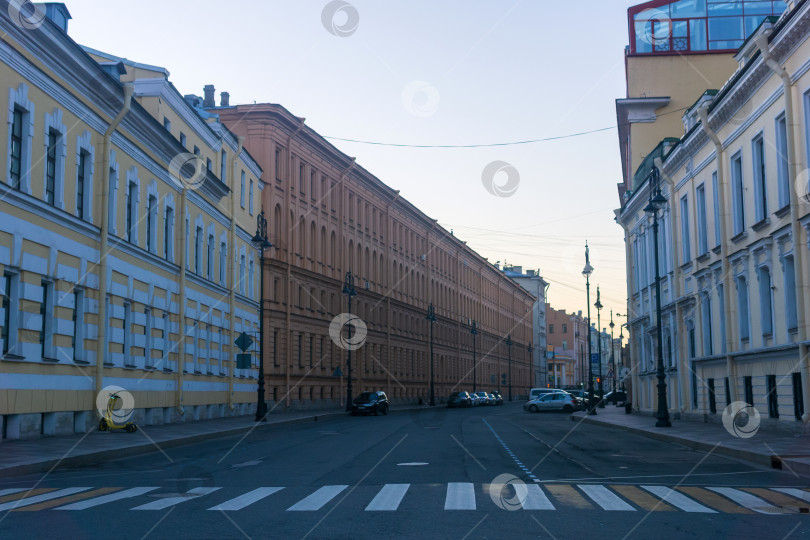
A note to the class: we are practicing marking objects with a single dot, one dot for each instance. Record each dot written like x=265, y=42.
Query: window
x=565, y=345
x=183, y=139
x=209, y=164
x=151, y=224
x=798, y=396
x=686, y=241
x=241, y=274
x=300, y=351
x=11, y=310
x=721, y=308
x=242, y=192
x=223, y=257
x=312, y=184
x=728, y=392
x=211, y=256
x=196, y=150
x=311, y=351
x=301, y=178
x=765, y=301
x=706, y=319
x=748, y=390
x=50, y=167
x=250, y=279
x=278, y=164
x=147, y=333
x=16, y=158
x=167, y=124
x=716, y=198
x=703, y=237
x=168, y=235
x=782, y=169
x=773, y=398
x=128, y=360
x=789, y=273
x=223, y=166
x=551, y=329
x=132, y=209
x=742, y=305
x=81, y=174
x=738, y=193
x=712, y=397
x=46, y=314
x=77, y=336
x=198, y=245
x=564, y=329
x=760, y=185
x=275, y=348
x=250, y=198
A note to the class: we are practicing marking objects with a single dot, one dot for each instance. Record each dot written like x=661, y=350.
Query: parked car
x=497, y=398
x=555, y=401
x=476, y=399
x=483, y=398
x=370, y=403
x=459, y=399
x=616, y=397
x=537, y=392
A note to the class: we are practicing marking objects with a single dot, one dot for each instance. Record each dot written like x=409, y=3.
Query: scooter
x=108, y=422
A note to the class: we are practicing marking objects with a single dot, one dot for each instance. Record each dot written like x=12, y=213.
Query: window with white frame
x=242, y=274
x=85, y=165
x=164, y=352
x=765, y=301
x=20, y=138
x=706, y=320
x=250, y=201
x=198, y=246
x=703, y=235
x=738, y=194
x=716, y=205
x=151, y=223
x=789, y=276
x=167, y=124
x=132, y=212
x=742, y=309
x=46, y=315
x=721, y=308
x=760, y=179
x=149, y=362
x=81, y=183
x=242, y=191
x=211, y=256
x=223, y=258
x=168, y=234
x=128, y=359
x=223, y=166
x=183, y=140
x=11, y=310
x=686, y=240
x=55, y=153
x=250, y=278
x=77, y=336
x=782, y=168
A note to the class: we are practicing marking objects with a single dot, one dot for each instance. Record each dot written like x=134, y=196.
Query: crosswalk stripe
x=793, y=492
x=69, y=499
x=605, y=498
x=536, y=499
x=11, y=490
x=40, y=498
x=317, y=500
x=23, y=493
x=388, y=498
x=104, y=499
x=166, y=502
x=237, y=503
x=778, y=499
x=460, y=496
x=747, y=500
x=568, y=495
x=678, y=500
x=641, y=499
x=714, y=500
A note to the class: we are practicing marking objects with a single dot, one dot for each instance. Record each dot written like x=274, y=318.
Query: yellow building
x=125, y=223
x=733, y=238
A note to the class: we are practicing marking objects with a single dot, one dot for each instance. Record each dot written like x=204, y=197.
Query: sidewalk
x=776, y=448
x=43, y=454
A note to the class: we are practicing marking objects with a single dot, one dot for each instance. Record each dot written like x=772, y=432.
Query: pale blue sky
x=502, y=71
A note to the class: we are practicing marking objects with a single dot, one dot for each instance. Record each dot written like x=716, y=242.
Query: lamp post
x=587, y=271
x=598, y=306
x=657, y=202
x=349, y=291
x=621, y=352
x=509, y=352
x=474, y=332
x=531, y=357
x=431, y=316
x=261, y=243
x=612, y=353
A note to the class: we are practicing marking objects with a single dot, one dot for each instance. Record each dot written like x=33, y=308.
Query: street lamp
x=612, y=353
x=431, y=316
x=587, y=271
x=474, y=332
x=598, y=306
x=509, y=349
x=261, y=243
x=621, y=352
x=657, y=202
x=348, y=290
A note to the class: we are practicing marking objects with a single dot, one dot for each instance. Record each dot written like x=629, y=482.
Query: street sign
x=244, y=341
x=337, y=372
x=595, y=358
x=243, y=361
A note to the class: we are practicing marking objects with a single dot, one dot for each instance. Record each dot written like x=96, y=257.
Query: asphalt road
x=486, y=472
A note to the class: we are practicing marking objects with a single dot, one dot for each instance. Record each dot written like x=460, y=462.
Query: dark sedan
x=459, y=399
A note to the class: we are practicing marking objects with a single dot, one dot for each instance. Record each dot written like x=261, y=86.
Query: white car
x=555, y=401
x=483, y=398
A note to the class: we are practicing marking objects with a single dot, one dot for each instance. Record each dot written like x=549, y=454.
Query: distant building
x=537, y=286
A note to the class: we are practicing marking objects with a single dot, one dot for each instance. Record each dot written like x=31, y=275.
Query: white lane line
x=237, y=503
x=171, y=501
x=317, y=500
x=536, y=499
x=125, y=494
x=460, y=496
x=12, y=490
x=388, y=498
x=677, y=499
x=511, y=454
x=747, y=500
x=793, y=492
x=605, y=498
x=40, y=498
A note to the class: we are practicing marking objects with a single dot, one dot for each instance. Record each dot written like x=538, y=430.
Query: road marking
x=520, y=464
x=642, y=499
x=23, y=493
x=237, y=503
x=460, y=496
x=388, y=498
x=40, y=498
x=412, y=464
x=317, y=500
x=171, y=501
x=246, y=464
x=747, y=500
x=58, y=502
x=713, y=500
x=605, y=498
x=779, y=499
x=536, y=499
x=127, y=493
x=12, y=490
x=568, y=495
x=678, y=500
x=798, y=493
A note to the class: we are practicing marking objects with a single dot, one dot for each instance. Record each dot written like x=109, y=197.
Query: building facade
x=733, y=240
x=566, y=350
x=119, y=268
x=537, y=287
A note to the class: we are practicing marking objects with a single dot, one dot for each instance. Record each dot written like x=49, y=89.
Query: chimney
x=57, y=12
x=225, y=99
x=208, y=100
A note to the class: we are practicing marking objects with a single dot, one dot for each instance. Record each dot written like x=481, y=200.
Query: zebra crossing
x=458, y=496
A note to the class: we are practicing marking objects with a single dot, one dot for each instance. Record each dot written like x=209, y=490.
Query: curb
x=754, y=457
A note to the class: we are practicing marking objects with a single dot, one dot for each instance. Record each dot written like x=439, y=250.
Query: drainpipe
x=762, y=44
x=290, y=188
x=101, y=341
x=731, y=368
x=390, y=290
x=181, y=315
x=232, y=269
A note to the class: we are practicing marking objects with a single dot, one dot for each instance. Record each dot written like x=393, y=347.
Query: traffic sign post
x=244, y=342
x=243, y=361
